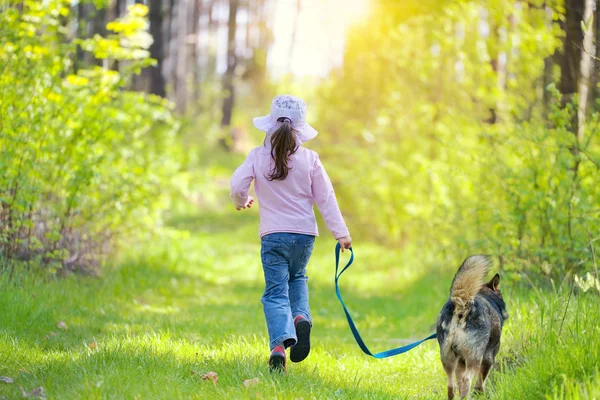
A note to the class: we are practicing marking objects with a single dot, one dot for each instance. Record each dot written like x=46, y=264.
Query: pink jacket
x=287, y=206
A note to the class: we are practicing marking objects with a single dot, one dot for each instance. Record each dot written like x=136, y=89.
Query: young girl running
x=288, y=180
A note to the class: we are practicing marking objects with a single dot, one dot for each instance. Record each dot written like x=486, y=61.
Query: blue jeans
x=284, y=257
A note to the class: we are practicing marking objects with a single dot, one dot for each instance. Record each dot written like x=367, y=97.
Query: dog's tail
x=467, y=282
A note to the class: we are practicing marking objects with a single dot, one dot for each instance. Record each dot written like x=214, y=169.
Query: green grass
x=190, y=301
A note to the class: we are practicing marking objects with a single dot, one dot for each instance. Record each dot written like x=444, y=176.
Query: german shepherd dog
x=470, y=325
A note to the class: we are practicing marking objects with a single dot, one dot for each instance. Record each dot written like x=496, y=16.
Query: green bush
x=82, y=158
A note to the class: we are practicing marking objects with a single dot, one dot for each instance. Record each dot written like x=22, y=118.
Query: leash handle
x=357, y=337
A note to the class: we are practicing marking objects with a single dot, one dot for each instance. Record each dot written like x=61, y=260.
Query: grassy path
x=188, y=304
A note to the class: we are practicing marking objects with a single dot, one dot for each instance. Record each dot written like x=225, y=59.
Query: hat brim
x=263, y=123
x=305, y=132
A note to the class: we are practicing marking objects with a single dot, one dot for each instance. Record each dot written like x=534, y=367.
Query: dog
x=469, y=326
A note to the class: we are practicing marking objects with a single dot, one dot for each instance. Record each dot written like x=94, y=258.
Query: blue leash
x=361, y=343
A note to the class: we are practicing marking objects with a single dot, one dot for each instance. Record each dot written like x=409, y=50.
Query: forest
x=448, y=128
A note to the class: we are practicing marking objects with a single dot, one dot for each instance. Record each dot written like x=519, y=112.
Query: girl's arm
x=324, y=196
x=240, y=183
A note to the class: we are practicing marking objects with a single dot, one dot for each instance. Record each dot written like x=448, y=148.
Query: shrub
x=83, y=159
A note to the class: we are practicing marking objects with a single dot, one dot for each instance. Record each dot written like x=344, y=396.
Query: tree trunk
x=115, y=10
x=575, y=73
x=571, y=55
x=596, y=68
x=157, y=51
x=84, y=12
x=100, y=29
x=548, y=64
x=251, y=23
x=210, y=65
x=264, y=39
x=100, y=21
x=194, y=64
x=182, y=56
x=585, y=68
x=170, y=49
x=228, y=84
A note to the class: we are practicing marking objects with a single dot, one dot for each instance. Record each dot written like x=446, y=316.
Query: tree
x=570, y=58
x=84, y=12
x=228, y=84
x=157, y=50
x=100, y=20
x=115, y=9
x=181, y=52
x=587, y=51
x=194, y=53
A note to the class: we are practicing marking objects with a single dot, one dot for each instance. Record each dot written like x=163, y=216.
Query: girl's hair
x=283, y=145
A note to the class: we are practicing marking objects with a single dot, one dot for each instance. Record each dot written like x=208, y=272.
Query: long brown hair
x=283, y=145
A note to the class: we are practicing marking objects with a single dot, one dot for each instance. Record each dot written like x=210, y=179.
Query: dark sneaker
x=301, y=349
x=277, y=359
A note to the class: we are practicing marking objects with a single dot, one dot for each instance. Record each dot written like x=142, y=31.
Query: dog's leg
x=486, y=366
x=461, y=369
x=467, y=371
x=449, y=367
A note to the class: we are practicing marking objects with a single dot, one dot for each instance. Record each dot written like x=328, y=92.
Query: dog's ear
x=494, y=284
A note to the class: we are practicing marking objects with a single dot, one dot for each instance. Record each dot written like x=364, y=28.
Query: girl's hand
x=345, y=243
x=248, y=203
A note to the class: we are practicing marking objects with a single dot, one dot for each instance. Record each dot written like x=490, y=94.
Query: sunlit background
x=308, y=36
x=431, y=114
x=319, y=41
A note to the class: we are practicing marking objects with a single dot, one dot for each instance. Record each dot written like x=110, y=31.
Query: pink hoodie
x=287, y=205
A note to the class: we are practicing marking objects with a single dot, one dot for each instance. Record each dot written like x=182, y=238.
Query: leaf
x=250, y=382
x=212, y=376
x=93, y=345
x=38, y=393
x=62, y=325
x=6, y=379
x=51, y=334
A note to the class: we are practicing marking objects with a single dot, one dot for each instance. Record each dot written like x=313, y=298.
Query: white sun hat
x=293, y=108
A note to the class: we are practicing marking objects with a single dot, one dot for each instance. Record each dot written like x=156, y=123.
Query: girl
x=288, y=180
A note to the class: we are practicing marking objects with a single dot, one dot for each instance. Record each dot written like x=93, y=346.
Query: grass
x=188, y=303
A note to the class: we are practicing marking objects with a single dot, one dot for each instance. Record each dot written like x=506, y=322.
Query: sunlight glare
x=319, y=41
